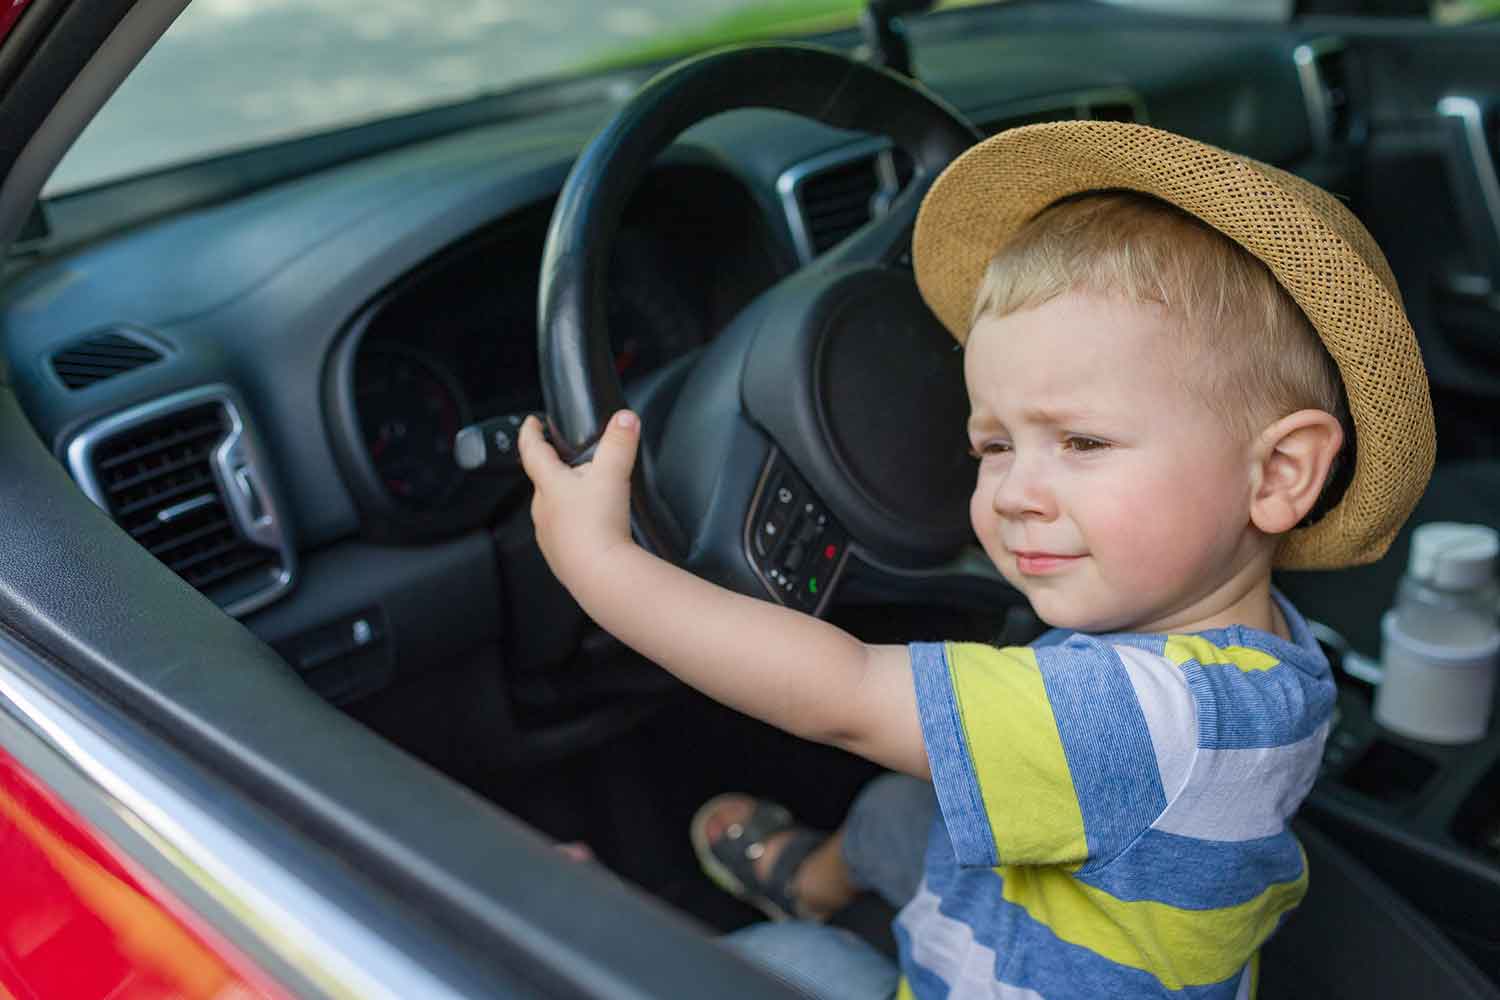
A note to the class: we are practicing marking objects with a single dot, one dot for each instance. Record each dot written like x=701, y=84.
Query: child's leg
x=884, y=837
x=880, y=846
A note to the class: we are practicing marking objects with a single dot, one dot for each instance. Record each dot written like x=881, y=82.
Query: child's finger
x=615, y=453
x=538, y=458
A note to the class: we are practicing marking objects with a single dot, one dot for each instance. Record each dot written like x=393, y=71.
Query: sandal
x=730, y=861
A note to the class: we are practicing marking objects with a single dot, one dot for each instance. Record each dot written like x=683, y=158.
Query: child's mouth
x=1041, y=563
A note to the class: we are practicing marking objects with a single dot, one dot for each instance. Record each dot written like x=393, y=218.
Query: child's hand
x=581, y=514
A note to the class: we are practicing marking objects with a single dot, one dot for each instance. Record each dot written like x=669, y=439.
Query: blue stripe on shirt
x=1242, y=710
x=1105, y=739
x=1193, y=874
x=948, y=756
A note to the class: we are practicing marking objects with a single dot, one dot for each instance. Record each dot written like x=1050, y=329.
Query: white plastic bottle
x=1442, y=638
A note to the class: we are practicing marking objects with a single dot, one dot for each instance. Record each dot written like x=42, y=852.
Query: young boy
x=1159, y=338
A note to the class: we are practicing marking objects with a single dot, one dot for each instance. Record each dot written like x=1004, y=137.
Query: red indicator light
x=830, y=552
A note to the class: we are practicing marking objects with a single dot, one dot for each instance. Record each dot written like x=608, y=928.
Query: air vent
x=101, y=356
x=176, y=477
x=832, y=201
x=1324, y=71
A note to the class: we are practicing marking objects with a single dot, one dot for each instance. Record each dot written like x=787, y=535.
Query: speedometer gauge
x=410, y=408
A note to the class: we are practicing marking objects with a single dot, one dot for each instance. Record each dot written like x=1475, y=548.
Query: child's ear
x=1292, y=457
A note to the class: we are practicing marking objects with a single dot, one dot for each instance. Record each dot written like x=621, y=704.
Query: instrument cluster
x=455, y=342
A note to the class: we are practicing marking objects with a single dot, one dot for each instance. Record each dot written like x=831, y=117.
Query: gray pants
x=885, y=838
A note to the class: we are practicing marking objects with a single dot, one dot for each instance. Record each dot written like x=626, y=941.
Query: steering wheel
x=829, y=415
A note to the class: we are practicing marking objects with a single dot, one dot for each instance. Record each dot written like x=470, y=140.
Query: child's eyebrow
x=981, y=422
x=1054, y=417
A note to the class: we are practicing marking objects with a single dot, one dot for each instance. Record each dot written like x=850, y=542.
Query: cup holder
x=1389, y=773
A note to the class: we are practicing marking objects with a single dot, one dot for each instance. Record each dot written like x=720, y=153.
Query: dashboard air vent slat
x=212, y=428
x=102, y=356
x=160, y=548
x=228, y=568
x=155, y=496
x=157, y=479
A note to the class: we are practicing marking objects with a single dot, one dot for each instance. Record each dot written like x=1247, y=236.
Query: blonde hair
x=1256, y=356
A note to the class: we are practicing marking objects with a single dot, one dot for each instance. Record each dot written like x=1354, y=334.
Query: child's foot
x=754, y=851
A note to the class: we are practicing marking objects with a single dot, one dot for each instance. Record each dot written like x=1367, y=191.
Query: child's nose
x=1022, y=490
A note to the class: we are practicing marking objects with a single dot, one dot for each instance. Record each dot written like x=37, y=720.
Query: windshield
x=234, y=74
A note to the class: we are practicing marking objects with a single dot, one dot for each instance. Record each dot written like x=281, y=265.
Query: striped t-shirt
x=1114, y=811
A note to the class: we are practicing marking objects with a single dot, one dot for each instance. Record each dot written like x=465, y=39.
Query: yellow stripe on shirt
x=1182, y=648
x=1179, y=947
x=1017, y=754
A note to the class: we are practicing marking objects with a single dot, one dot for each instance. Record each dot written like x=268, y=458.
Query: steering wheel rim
x=579, y=382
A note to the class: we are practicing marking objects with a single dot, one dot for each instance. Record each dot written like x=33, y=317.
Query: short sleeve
x=1038, y=755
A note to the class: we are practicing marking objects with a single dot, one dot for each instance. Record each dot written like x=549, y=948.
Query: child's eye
x=1076, y=442
x=988, y=448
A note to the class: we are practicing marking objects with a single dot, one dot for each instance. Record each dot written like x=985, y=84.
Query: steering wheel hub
x=863, y=389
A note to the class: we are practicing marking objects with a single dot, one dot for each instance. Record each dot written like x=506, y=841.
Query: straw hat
x=1313, y=245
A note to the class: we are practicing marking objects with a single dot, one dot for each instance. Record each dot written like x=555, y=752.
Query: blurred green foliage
x=1459, y=11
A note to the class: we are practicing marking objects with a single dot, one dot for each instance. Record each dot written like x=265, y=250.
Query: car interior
x=238, y=520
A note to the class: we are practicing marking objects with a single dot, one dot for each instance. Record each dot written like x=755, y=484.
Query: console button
x=771, y=531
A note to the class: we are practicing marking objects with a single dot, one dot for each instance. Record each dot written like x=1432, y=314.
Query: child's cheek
x=1158, y=536
x=1129, y=530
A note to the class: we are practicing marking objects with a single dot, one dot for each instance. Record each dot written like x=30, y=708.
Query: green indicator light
x=812, y=584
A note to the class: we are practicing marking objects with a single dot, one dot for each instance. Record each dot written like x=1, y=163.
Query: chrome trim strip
x=235, y=454
x=1471, y=116
x=1080, y=103
x=312, y=935
x=1314, y=93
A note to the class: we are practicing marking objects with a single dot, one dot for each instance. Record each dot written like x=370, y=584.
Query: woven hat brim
x=1313, y=245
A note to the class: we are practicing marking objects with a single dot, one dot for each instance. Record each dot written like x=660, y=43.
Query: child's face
x=1110, y=496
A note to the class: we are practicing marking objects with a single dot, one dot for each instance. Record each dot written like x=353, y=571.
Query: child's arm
x=786, y=668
